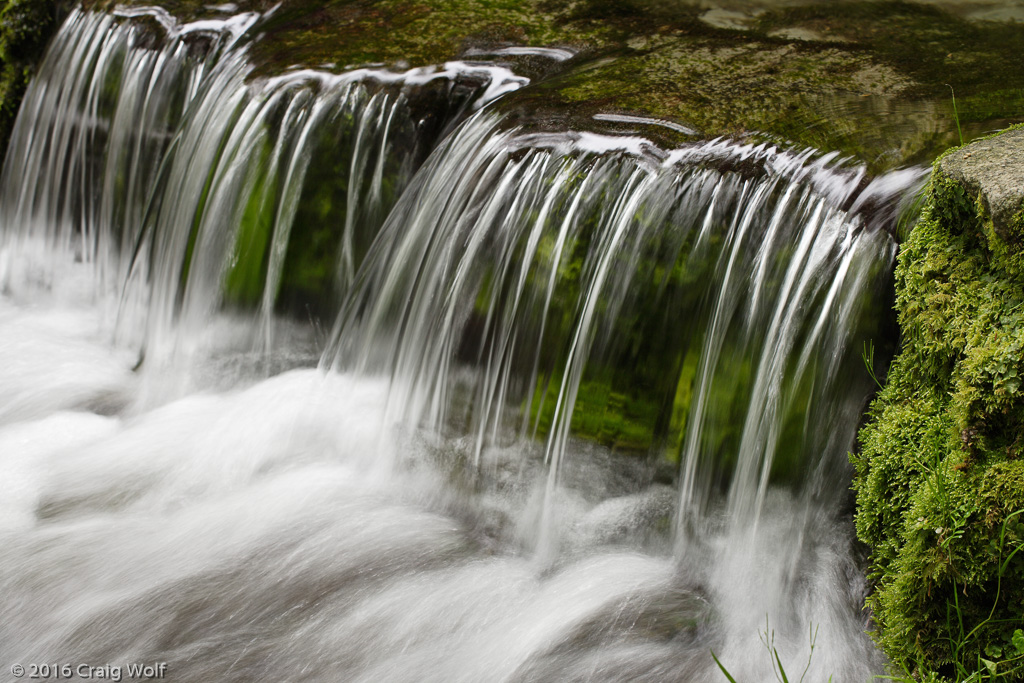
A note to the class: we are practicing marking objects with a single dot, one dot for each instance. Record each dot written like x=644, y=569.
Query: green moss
x=25, y=28
x=681, y=404
x=329, y=238
x=932, y=46
x=245, y=278
x=602, y=415
x=940, y=482
x=872, y=85
x=865, y=78
x=359, y=32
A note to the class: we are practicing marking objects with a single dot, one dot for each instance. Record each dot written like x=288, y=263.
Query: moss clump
x=940, y=478
x=25, y=28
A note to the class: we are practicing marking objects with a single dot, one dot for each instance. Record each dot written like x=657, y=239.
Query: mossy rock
x=992, y=175
x=940, y=478
x=865, y=78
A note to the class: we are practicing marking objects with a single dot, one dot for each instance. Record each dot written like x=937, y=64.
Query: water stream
x=349, y=377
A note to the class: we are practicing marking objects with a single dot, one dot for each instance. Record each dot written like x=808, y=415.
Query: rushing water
x=347, y=377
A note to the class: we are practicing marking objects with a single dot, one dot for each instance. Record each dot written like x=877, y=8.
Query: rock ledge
x=992, y=170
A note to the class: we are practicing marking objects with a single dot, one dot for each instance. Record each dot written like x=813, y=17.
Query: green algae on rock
x=864, y=78
x=940, y=478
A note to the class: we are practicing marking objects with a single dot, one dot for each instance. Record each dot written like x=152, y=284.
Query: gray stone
x=805, y=34
x=993, y=170
x=729, y=19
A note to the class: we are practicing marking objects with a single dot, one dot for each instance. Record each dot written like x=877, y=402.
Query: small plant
x=722, y=667
x=910, y=213
x=956, y=116
x=767, y=638
x=991, y=661
x=999, y=662
x=868, y=356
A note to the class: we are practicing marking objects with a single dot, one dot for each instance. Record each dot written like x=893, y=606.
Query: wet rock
x=991, y=172
x=728, y=19
x=805, y=34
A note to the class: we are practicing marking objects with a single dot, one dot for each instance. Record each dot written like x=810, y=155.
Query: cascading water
x=182, y=181
x=583, y=407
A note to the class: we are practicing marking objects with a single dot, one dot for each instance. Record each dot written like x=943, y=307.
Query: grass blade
x=724, y=670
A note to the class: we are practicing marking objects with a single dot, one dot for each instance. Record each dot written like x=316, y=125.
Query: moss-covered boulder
x=940, y=473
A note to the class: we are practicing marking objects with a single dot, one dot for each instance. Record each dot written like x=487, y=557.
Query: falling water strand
x=508, y=275
x=164, y=163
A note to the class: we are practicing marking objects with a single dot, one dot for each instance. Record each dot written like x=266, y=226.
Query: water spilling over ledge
x=582, y=409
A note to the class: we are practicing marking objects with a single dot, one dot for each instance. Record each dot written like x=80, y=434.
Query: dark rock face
x=25, y=28
x=992, y=172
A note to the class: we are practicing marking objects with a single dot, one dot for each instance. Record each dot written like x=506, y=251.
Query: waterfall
x=582, y=409
x=181, y=179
